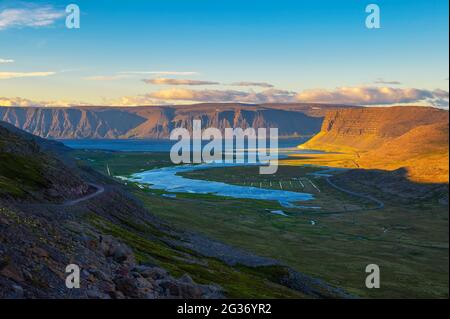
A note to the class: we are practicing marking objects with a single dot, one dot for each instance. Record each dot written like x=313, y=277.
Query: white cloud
x=16, y=101
x=348, y=95
x=374, y=96
x=14, y=75
x=257, y=84
x=159, y=72
x=267, y=96
x=23, y=102
x=29, y=15
x=107, y=77
x=166, y=81
x=6, y=61
x=382, y=81
x=138, y=100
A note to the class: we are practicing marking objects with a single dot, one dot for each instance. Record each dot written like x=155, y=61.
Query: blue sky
x=310, y=50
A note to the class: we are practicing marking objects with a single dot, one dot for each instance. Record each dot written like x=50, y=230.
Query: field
x=408, y=240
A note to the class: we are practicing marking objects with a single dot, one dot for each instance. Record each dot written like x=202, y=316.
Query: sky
x=145, y=52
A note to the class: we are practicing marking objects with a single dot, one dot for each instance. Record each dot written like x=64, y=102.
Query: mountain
x=390, y=138
x=156, y=122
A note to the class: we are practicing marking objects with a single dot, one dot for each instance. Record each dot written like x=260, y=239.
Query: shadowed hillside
x=29, y=173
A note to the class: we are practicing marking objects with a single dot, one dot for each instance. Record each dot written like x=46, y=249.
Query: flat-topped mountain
x=390, y=138
x=156, y=122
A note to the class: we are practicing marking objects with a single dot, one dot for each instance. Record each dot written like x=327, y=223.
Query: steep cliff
x=157, y=121
x=390, y=138
x=71, y=122
x=362, y=129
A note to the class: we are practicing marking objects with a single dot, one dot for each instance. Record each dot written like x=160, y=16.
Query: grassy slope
x=19, y=173
x=413, y=253
x=237, y=282
x=29, y=172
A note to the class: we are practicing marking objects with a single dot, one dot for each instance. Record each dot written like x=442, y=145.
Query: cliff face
x=361, y=129
x=157, y=121
x=71, y=122
x=390, y=138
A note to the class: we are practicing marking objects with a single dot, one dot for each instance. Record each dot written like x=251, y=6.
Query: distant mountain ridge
x=156, y=122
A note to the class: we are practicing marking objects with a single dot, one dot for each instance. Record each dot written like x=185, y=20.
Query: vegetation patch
x=237, y=282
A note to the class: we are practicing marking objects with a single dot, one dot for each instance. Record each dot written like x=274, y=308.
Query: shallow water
x=167, y=179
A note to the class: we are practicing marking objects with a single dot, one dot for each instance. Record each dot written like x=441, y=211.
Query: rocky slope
x=390, y=138
x=39, y=236
x=157, y=121
x=122, y=250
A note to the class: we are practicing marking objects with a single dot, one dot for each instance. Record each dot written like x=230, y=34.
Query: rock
x=107, y=286
x=118, y=295
x=12, y=272
x=154, y=273
x=40, y=252
x=138, y=287
x=186, y=279
x=18, y=292
x=122, y=254
x=4, y=221
x=212, y=292
x=95, y=294
x=106, y=245
x=170, y=288
x=128, y=286
x=145, y=288
x=190, y=291
x=100, y=275
x=119, y=252
x=27, y=275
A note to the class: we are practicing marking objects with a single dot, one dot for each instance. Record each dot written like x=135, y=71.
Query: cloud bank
x=266, y=96
x=374, y=96
x=344, y=95
x=363, y=96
